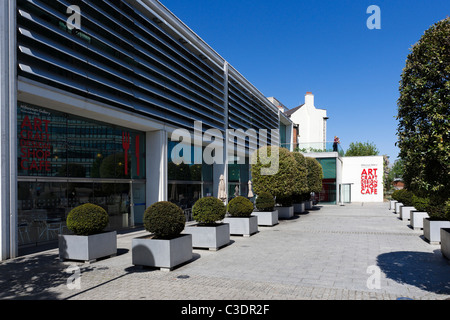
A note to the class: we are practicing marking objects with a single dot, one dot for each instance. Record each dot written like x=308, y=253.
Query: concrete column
x=8, y=131
x=156, y=166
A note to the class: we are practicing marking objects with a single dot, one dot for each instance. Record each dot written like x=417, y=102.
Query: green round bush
x=265, y=202
x=87, y=219
x=394, y=195
x=420, y=203
x=240, y=207
x=406, y=198
x=164, y=219
x=274, y=170
x=208, y=210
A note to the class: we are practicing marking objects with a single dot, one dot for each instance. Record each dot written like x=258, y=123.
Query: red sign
x=369, y=181
x=35, y=149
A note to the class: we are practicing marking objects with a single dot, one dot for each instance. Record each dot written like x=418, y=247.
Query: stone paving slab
x=322, y=255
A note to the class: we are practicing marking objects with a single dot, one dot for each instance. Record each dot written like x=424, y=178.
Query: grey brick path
x=322, y=255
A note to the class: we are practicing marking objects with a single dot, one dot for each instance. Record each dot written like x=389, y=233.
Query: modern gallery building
x=91, y=92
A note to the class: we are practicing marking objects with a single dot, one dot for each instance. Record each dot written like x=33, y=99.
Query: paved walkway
x=359, y=251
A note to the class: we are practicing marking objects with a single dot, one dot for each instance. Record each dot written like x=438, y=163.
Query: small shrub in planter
x=241, y=221
x=209, y=232
x=240, y=207
x=394, y=194
x=265, y=202
x=420, y=203
x=87, y=219
x=167, y=248
x=89, y=242
x=265, y=205
x=208, y=210
x=164, y=219
x=404, y=196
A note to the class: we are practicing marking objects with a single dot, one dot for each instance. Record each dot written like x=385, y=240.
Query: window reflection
x=188, y=182
x=65, y=161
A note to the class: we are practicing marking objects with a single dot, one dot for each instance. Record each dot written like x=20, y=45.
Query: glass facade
x=188, y=182
x=328, y=193
x=238, y=177
x=65, y=161
x=136, y=61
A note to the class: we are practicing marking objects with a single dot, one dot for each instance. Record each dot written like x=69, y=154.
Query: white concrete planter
x=431, y=229
x=210, y=237
x=405, y=212
x=308, y=204
x=392, y=204
x=416, y=219
x=285, y=212
x=299, y=207
x=161, y=253
x=87, y=248
x=266, y=218
x=397, y=207
x=244, y=226
x=445, y=242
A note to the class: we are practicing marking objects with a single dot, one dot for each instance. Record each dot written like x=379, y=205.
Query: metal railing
x=309, y=147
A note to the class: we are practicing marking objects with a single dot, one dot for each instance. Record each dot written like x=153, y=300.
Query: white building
x=365, y=176
x=312, y=124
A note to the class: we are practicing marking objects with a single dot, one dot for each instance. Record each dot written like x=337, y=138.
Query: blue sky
x=286, y=48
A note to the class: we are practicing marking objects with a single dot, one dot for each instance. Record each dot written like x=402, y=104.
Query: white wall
x=366, y=176
x=311, y=122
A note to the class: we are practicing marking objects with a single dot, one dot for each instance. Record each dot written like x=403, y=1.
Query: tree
x=424, y=114
x=358, y=149
x=397, y=169
x=315, y=175
x=281, y=183
x=301, y=182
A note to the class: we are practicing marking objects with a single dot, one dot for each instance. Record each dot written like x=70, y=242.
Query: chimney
x=309, y=99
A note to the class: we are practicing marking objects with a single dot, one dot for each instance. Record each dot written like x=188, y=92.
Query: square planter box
x=416, y=219
x=431, y=229
x=308, y=204
x=392, y=204
x=210, y=237
x=397, y=207
x=405, y=212
x=266, y=218
x=299, y=207
x=245, y=226
x=285, y=212
x=445, y=242
x=87, y=248
x=161, y=253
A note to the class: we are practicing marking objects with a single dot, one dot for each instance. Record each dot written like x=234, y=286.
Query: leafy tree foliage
x=360, y=149
x=301, y=181
x=281, y=183
x=315, y=175
x=424, y=115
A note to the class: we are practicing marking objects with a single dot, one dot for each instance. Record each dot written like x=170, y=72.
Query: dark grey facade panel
x=248, y=103
x=140, y=72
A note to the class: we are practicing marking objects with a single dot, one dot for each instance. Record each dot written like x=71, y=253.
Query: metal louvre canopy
x=115, y=75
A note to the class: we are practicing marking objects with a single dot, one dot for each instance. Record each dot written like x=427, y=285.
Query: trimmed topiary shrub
x=301, y=180
x=405, y=196
x=314, y=175
x=164, y=219
x=240, y=207
x=420, y=203
x=208, y=210
x=265, y=202
x=87, y=219
x=394, y=195
x=274, y=171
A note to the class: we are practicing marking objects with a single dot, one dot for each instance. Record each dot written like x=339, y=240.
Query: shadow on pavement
x=32, y=277
x=427, y=271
